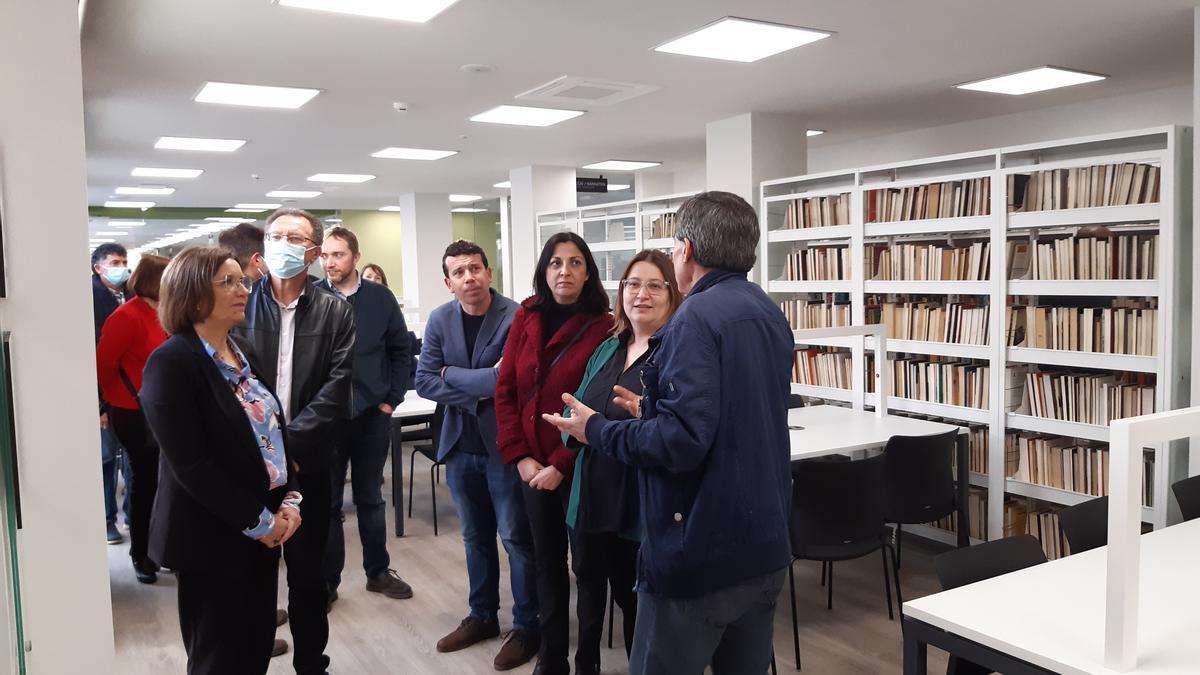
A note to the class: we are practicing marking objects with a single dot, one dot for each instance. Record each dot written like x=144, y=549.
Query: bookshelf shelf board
x=934, y=287
x=982, y=352
x=980, y=415
x=941, y=536
x=1097, y=215
x=663, y=242
x=831, y=393
x=1094, y=432
x=810, y=194
x=850, y=341
x=809, y=287
x=1063, y=357
x=1114, y=287
x=978, y=479
x=623, y=245
x=929, y=226
x=1057, y=496
x=611, y=285
x=809, y=233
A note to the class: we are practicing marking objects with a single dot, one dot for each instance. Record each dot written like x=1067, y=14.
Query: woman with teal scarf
x=603, y=511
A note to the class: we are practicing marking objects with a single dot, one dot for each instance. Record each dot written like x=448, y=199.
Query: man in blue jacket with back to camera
x=712, y=450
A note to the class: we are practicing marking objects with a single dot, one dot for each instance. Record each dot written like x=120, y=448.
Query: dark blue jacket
x=104, y=303
x=470, y=378
x=712, y=447
x=382, y=351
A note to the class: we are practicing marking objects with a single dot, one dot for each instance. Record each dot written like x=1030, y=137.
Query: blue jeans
x=362, y=446
x=487, y=495
x=730, y=628
x=111, y=457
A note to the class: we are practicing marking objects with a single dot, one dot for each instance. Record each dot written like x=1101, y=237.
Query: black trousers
x=601, y=560
x=228, y=623
x=142, y=450
x=308, y=594
x=547, y=511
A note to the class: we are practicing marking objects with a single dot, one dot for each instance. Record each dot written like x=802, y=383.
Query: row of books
x=1087, y=398
x=802, y=313
x=660, y=227
x=1043, y=523
x=822, y=367
x=1057, y=462
x=929, y=262
x=1084, y=187
x=977, y=500
x=1107, y=330
x=936, y=380
x=951, y=199
x=820, y=263
x=817, y=212
x=932, y=321
x=1129, y=256
x=977, y=442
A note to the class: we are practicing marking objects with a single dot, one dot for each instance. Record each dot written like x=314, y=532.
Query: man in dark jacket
x=110, y=271
x=713, y=452
x=301, y=340
x=381, y=377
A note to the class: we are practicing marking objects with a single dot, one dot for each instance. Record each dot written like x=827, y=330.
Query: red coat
x=128, y=337
x=521, y=431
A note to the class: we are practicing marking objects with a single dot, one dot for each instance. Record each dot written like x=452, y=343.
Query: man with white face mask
x=110, y=271
x=300, y=341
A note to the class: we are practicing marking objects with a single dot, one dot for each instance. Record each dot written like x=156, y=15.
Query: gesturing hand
x=528, y=468
x=631, y=402
x=549, y=478
x=576, y=424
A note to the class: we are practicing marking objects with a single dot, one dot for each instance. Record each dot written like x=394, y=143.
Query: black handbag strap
x=562, y=352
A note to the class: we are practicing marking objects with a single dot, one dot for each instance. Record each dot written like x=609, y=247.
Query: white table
x=1050, y=618
x=410, y=411
x=413, y=406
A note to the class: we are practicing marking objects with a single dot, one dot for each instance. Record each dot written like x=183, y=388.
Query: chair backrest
x=918, y=478
x=836, y=503
x=1085, y=525
x=795, y=401
x=964, y=566
x=1187, y=493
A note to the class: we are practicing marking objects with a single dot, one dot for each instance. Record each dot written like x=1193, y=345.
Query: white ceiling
x=889, y=68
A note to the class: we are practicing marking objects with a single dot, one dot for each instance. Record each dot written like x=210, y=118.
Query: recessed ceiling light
x=294, y=194
x=413, y=153
x=101, y=241
x=503, y=185
x=129, y=205
x=1034, y=80
x=525, y=115
x=241, y=210
x=333, y=220
x=620, y=165
x=232, y=220
x=467, y=209
x=389, y=208
x=257, y=96
x=741, y=40
x=126, y=223
x=199, y=144
x=262, y=207
x=146, y=172
x=145, y=190
x=116, y=233
x=461, y=199
x=341, y=177
x=614, y=187
x=814, y=132
x=418, y=11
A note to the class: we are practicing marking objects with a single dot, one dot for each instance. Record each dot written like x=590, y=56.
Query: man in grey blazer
x=460, y=358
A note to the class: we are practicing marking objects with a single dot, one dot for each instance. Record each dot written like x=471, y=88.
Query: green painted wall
x=482, y=229
x=378, y=235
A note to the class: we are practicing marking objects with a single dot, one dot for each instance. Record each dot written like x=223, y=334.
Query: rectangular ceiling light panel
x=418, y=11
x=620, y=165
x=254, y=95
x=199, y=144
x=340, y=177
x=526, y=116
x=741, y=40
x=414, y=153
x=1031, y=81
x=148, y=172
x=294, y=194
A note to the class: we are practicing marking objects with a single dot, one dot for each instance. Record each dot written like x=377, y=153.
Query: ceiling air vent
x=581, y=91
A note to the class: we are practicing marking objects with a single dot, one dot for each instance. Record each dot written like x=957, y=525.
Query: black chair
x=964, y=566
x=1187, y=493
x=1085, y=525
x=430, y=451
x=918, y=481
x=795, y=401
x=837, y=514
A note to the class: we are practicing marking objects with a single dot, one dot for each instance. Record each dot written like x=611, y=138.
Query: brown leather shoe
x=279, y=648
x=520, y=647
x=469, y=632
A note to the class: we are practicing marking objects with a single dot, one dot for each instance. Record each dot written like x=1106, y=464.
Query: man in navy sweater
x=381, y=378
x=712, y=450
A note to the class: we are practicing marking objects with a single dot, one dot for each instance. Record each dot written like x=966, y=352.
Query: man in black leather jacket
x=301, y=341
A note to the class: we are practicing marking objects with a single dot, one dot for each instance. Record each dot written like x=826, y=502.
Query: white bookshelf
x=1168, y=148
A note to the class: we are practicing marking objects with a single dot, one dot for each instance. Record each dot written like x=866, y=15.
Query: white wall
x=68, y=617
x=1147, y=109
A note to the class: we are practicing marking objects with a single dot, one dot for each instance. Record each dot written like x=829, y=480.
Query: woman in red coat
x=128, y=337
x=552, y=337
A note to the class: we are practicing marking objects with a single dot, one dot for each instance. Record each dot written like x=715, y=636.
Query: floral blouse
x=263, y=412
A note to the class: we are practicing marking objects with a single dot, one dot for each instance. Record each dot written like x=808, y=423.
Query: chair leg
x=774, y=670
x=887, y=582
x=899, y=531
x=611, y=605
x=412, y=462
x=896, y=578
x=433, y=493
x=829, y=603
x=824, y=566
x=795, y=621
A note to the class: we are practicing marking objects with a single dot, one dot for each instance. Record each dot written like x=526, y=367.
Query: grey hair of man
x=723, y=229
x=318, y=228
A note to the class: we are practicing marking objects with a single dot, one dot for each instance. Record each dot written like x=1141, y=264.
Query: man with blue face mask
x=300, y=341
x=110, y=271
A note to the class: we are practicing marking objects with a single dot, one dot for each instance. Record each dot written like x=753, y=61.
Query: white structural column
x=425, y=233
x=647, y=184
x=1194, y=445
x=534, y=189
x=63, y=561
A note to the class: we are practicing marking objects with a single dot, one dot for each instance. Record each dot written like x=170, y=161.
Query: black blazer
x=212, y=481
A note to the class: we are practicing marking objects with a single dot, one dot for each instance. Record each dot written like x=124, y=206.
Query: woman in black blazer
x=223, y=506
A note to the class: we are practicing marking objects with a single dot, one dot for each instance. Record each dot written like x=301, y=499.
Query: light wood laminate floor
x=371, y=634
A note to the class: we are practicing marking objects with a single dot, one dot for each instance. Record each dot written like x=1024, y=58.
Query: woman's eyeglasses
x=229, y=283
x=653, y=286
